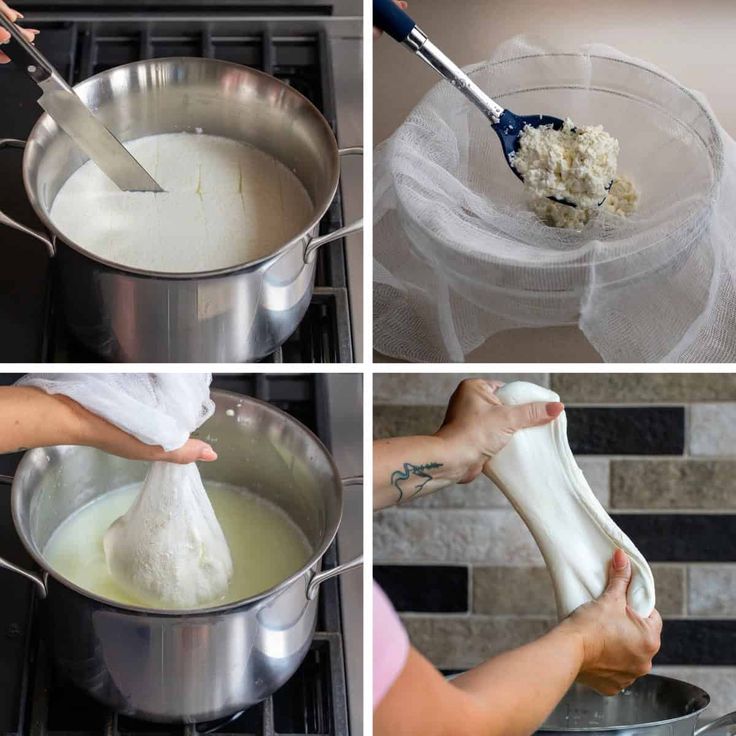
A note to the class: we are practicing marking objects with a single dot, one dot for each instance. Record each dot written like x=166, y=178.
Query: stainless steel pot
x=229, y=315
x=186, y=666
x=652, y=706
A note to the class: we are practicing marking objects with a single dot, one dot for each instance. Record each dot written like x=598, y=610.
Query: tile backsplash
x=659, y=451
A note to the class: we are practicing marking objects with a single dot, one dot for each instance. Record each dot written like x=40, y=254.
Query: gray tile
x=434, y=389
x=673, y=484
x=401, y=421
x=712, y=429
x=718, y=682
x=490, y=536
x=626, y=388
x=712, y=591
x=669, y=584
x=480, y=493
x=454, y=642
x=597, y=472
x=517, y=591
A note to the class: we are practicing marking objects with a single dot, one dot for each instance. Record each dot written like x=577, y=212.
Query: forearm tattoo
x=399, y=478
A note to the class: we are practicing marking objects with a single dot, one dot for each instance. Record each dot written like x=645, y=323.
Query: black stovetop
x=34, y=703
x=79, y=44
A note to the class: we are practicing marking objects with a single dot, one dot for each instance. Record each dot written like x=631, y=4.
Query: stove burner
x=213, y=726
x=29, y=319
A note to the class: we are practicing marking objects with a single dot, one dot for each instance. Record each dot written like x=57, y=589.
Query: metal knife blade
x=75, y=118
x=78, y=122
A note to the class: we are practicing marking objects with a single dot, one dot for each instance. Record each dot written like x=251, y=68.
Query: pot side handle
x=315, y=243
x=320, y=577
x=33, y=577
x=724, y=726
x=9, y=221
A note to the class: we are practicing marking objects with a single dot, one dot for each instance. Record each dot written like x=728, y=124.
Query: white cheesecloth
x=168, y=550
x=459, y=256
x=157, y=408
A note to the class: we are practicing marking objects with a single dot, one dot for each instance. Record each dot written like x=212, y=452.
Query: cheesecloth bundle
x=168, y=550
x=459, y=256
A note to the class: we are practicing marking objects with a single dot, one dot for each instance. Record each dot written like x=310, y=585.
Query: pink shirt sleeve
x=390, y=645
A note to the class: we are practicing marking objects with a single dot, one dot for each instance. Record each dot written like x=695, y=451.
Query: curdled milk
x=266, y=545
x=225, y=203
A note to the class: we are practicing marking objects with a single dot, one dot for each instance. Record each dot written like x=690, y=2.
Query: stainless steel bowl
x=652, y=706
x=186, y=665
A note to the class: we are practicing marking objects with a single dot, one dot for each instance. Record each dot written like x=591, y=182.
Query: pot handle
x=9, y=221
x=320, y=577
x=719, y=727
x=32, y=576
x=315, y=243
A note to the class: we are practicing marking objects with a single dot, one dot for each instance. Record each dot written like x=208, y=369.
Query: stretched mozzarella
x=577, y=538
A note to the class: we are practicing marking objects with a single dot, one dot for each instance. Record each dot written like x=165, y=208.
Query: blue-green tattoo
x=419, y=471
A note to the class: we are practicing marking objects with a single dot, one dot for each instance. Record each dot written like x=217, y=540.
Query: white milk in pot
x=224, y=203
x=266, y=545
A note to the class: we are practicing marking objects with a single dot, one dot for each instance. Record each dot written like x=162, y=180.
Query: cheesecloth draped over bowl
x=459, y=256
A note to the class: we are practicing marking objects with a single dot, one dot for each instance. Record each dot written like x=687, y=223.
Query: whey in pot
x=266, y=545
x=225, y=203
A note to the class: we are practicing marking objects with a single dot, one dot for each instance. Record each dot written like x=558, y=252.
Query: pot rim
x=254, y=265
x=627, y=727
x=188, y=613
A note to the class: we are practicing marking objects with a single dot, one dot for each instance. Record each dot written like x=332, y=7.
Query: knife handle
x=38, y=67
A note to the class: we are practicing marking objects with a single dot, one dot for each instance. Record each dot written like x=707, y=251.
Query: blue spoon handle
x=390, y=18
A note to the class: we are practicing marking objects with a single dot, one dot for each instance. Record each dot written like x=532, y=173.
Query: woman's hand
x=93, y=431
x=475, y=428
x=29, y=417
x=477, y=425
x=603, y=644
x=13, y=15
x=618, y=645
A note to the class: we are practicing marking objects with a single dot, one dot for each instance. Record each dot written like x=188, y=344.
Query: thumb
x=191, y=452
x=619, y=574
x=535, y=414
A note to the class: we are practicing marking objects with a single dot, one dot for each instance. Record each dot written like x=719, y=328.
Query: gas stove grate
x=81, y=48
x=32, y=703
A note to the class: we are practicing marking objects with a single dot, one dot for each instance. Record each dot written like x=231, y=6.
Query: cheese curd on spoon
x=622, y=200
x=576, y=163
